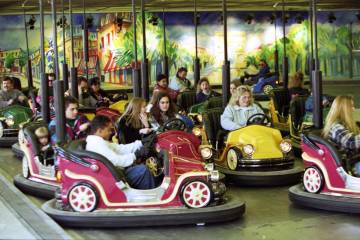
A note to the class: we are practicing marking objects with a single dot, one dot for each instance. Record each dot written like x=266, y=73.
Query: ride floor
x=269, y=215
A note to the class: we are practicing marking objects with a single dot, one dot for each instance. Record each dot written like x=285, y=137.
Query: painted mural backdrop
x=251, y=37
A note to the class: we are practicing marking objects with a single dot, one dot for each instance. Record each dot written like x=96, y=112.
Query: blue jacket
x=235, y=117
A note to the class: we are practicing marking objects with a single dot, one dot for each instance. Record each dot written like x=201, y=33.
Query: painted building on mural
x=79, y=60
x=110, y=27
x=10, y=57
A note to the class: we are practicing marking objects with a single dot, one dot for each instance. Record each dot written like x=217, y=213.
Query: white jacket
x=121, y=155
x=235, y=117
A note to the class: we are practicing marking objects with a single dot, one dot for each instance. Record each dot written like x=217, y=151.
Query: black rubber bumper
x=15, y=148
x=262, y=178
x=7, y=141
x=298, y=196
x=37, y=189
x=231, y=210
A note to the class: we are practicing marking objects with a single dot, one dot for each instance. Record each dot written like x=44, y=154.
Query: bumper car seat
x=186, y=99
x=213, y=129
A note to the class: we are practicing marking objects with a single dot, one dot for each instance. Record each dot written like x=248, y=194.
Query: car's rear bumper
x=15, y=148
x=347, y=204
x=37, y=189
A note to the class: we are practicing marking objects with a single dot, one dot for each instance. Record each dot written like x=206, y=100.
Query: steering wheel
x=174, y=124
x=258, y=118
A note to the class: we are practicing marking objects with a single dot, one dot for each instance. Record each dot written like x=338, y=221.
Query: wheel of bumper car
x=267, y=89
x=258, y=118
x=313, y=180
x=232, y=158
x=83, y=198
x=196, y=194
x=25, y=167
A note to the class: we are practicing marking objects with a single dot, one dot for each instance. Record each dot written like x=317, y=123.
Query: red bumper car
x=327, y=180
x=94, y=193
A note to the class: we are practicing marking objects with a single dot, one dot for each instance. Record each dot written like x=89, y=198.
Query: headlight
x=214, y=176
x=248, y=149
x=1, y=129
x=206, y=152
x=199, y=118
x=196, y=131
x=9, y=121
x=209, y=166
x=285, y=146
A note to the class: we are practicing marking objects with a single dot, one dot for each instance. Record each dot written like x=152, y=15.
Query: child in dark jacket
x=204, y=91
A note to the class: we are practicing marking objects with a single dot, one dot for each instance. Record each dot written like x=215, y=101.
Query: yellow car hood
x=265, y=140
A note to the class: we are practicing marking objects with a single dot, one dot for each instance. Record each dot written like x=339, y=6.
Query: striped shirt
x=347, y=140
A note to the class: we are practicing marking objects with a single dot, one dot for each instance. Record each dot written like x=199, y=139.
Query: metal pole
x=145, y=62
x=56, y=59
x=276, y=53
x=351, y=70
x=316, y=77
x=28, y=61
x=166, y=60
x=311, y=42
x=226, y=65
x=197, y=60
x=285, y=58
x=135, y=71
x=73, y=70
x=64, y=64
x=59, y=110
x=44, y=85
x=85, y=42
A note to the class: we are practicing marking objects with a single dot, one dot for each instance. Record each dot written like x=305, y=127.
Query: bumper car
x=38, y=175
x=93, y=193
x=264, y=86
x=11, y=118
x=255, y=155
x=327, y=181
x=279, y=109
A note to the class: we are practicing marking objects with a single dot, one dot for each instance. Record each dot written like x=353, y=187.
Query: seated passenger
x=85, y=99
x=121, y=155
x=296, y=86
x=233, y=85
x=239, y=109
x=340, y=127
x=162, y=83
x=101, y=97
x=162, y=110
x=264, y=70
x=9, y=95
x=134, y=123
x=76, y=125
x=46, y=150
x=309, y=108
x=204, y=91
x=180, y=83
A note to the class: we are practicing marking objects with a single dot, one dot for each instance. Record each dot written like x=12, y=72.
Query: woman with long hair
x=240, y=107
x=134, y=123
x=162, y=110
x=340, y=127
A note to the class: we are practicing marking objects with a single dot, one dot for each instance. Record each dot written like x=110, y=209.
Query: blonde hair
x=41, y=132
x=203, y=79
x=132, y=112
x=297, y=80
x=341, y=112
x=240, y=90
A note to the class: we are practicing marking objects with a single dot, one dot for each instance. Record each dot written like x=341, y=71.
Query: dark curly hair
x=155, y=110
